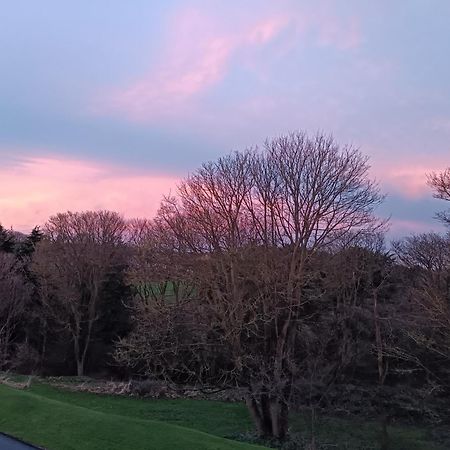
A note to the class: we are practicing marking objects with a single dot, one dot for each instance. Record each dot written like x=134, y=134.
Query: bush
x=150, y=388
x=26, y=359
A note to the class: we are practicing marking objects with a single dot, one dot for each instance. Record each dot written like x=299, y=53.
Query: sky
x=106, y=104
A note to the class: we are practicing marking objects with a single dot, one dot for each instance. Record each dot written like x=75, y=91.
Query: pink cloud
x=266, y=30
x=344, y=34
x=195, y=59
x=202, y=46
x=35, y=188
x=411, y=182
x=407, y=177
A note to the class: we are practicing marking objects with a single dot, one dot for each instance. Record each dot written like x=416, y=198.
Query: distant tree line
x=267, y=273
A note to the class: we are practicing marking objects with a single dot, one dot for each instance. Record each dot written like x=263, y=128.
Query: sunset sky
x=106, y=104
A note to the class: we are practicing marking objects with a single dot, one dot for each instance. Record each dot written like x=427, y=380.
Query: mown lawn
x=219, y=418
x=60, y=425
x=131, y=423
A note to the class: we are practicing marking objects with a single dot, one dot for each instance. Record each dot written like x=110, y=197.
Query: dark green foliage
x=7, y=241
x=26, y=248
x=32, y=339
x=113, y=323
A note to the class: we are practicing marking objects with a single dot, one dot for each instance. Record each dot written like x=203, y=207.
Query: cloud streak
x=201, y=51
x=195, y=61
x=35, y=188
x=408, y=179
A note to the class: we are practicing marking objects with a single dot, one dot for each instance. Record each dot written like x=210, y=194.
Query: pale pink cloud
x=32, y=189
x=407, y=176
x=266, y=30
x=200, y=51
x=345, y=34
x=411, y=182
x=195, y=59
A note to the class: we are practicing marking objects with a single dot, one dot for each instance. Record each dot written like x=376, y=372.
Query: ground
x=63, y=420
x=59, y=425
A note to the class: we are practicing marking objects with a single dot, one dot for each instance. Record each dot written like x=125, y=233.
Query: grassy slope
x=225, y=419
x=359, y=434
x=214, y=417
x=62, y=426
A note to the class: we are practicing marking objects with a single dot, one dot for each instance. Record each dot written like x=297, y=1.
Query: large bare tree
x=72, y=263
x=255, y=222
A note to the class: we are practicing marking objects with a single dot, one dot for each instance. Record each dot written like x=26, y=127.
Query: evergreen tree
x=27, y=247
x=7, y=242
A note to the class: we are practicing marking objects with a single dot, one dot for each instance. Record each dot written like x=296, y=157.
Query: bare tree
x=366, y=316
x=72, y=263
x=156, y=272
x=428, y=256
x=15, y=292
x=440, y=183
x=255, y=222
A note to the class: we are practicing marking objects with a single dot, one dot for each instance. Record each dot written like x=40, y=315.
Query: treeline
x=63, y=292
x=268, y=273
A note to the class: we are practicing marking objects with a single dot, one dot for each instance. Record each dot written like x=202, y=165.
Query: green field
x=63, y=420
x=60, y=425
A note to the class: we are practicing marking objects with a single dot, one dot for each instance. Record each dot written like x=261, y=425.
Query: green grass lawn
x=61, y=419
x=219, y=418
x=60, y=425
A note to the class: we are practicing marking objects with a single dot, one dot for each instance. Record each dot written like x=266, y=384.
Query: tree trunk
x=80, y=368
x=384, y=435
x=383, y=366
x=79, y=357
x=256, y=416
x=269, y=415
x=279, y=413
x=261, y=415
x=43, y=348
